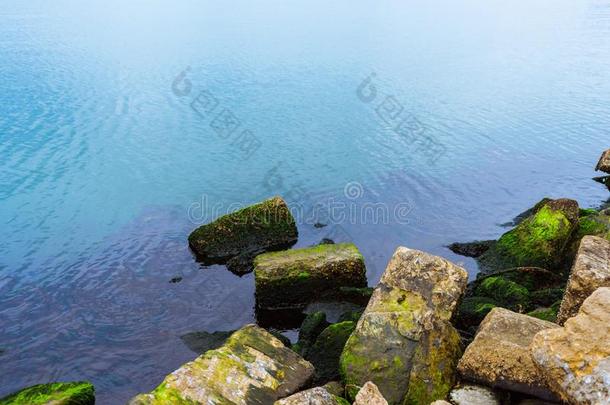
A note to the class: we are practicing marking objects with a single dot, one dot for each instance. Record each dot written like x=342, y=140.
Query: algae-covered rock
x=547, y=314
x=311, y=328
x=325, y=352
x=252, y=367
x=499, y=354
x=538, y=241
x=405, y=332
x=473, y=310
x=590, y=270
x=201, y=342
x=313, y=396
x=506, y=293
x=294, y=278
x=369, y=395
x=268, y=225
x=60, y=393
x=575, y=359
x=471, y=249
x=604, y=162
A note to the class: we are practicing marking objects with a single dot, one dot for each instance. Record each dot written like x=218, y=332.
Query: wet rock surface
x=405, y=331
x=294, y=278
x=590, y=271
x=604, y=162
x=575, y=359
x=499, y=355
x=265, y=226
x=252, y=367
x=471, y=249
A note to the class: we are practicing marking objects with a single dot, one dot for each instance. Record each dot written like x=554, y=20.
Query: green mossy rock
x=546, y=314
x=60, y=393
x=472, y=311
x=325, y=352
x=353, y=316
x=546, y=297
x=268, y=225
x=404, y=342
x=538, y=241
x=311, y=328
x=506, y=293
x=252, y=367
x=292, y=279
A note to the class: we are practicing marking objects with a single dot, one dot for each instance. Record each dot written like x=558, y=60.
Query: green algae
x=327, y=349
x=312, y=326
x=506, y=293
x=68, y=393
x=472, y=310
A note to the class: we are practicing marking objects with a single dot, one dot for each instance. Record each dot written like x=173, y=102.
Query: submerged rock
x=294, y=278
x=538, y=241
x=313, y=396
x=268, y=225
x=604, y=162
x=201, y=342
x=325, y=352
x=590, y=271
x=252, y=367
x=471, y=249
x=60, y=393
x=575, y=359
x=404, y=342
x=369, y=395
x=499, y=355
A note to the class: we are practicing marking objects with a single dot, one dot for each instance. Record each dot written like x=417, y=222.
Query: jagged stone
x=604, y=162
x=499, y=354
x=369, y=395
x=252, y=367
x=405, y=331
x=590, y=271
x=575, y=359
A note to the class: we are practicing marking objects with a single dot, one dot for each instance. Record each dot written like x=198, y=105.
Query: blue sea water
x=124, y=125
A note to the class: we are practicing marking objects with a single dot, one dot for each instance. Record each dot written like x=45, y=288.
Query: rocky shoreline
x=532, y=328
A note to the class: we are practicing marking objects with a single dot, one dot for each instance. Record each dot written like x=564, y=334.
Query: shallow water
x=106, y=164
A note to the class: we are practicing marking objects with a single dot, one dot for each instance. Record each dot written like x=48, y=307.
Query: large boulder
x=60, y=393
x=369, y=395
x=292, y=279
x=604, y=162
x=499, y=354
x=538, y=241
x=404, y=341
x=252, y=367
x=268, y=225
x=590, y=271
x=313, y=396
x=575, y=359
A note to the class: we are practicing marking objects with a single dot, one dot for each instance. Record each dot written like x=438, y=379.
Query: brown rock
x=604, y=162
x=575, y=359
x=369, y=395
x=499, y=354
x=590, y=271
x=404, y=342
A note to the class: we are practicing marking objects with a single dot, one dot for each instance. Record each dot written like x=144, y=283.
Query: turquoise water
x=108, y=157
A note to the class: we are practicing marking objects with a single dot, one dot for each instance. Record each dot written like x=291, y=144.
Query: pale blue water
x=104, y=164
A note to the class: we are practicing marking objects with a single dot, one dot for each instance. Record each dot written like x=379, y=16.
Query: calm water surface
x=105, y=166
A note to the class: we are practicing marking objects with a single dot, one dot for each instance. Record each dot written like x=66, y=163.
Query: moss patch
x=69, y=393
x=325, y=352
x=506, y=293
